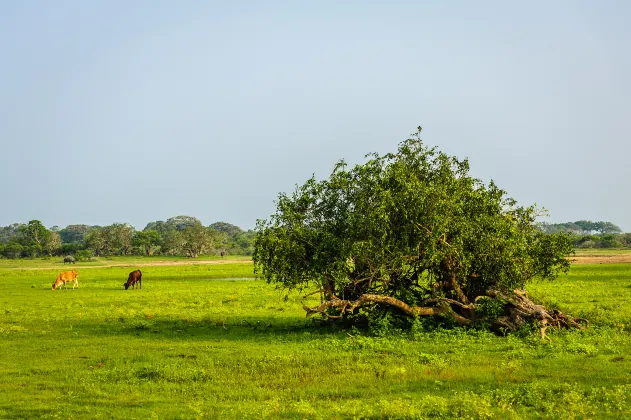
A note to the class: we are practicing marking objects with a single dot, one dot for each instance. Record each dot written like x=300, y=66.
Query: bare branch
x=348, y=306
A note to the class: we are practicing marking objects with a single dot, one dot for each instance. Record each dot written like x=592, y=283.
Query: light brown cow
x=66, y=277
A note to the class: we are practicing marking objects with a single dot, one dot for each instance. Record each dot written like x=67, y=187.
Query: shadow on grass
x=253, y=328
x=21, y=412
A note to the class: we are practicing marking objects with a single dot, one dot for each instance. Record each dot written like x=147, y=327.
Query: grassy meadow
x=209, y=341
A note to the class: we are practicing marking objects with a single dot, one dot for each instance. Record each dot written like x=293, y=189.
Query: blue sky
x=119, y=111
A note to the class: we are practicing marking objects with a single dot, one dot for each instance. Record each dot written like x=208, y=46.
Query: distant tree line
x=588, y=234
x=180, y=235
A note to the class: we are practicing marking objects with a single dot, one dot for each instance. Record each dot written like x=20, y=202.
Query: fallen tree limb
x=518, y=310
x=348, y=306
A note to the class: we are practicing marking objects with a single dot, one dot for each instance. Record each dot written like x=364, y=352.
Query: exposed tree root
x=522, y=310
x=518, y=310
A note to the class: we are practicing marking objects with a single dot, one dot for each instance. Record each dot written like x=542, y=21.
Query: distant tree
x=31, y=251
x=13, y=250
x=173, y=243
x=586, y=226
x=84, y=255
x=34, y=234
x=236, y=240
x=147, y=241
x=159, y=226
x=229, y=229
x=245, y=242
x=172, y=240
x=579, y=227
x=96, y=242
x=75, y=233
x=625, y=239
x=609, y=240
x=53, y=243
x=197, y=240
x=221, y=241
x=69, y=249
x=180, y=223
x=192, y=242
x=606, y=227
x=118, y=238
x=10, y=233
x=599, y=227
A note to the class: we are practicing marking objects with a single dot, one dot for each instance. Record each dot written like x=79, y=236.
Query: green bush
x=84, y=255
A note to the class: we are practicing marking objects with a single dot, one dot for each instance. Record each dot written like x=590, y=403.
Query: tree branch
x=348, y=306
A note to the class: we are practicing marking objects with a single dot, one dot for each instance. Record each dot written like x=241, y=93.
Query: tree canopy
x=179, y=235
x=410, y=232
x=581, y=227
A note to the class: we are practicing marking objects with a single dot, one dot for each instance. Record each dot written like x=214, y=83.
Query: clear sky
x=136, y=111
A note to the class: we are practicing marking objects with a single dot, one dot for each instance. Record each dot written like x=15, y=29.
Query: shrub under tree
x=413, y=234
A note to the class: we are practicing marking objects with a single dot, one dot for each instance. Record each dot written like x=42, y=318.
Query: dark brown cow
x=134, y=277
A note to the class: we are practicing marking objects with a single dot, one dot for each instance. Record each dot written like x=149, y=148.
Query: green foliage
x=587, y=234
x=69, y=249
x=197, y=240
x=10, y=233
x=33, y=237
x=232, y=239
x=401, y=223
x=84, y=255
x=75, y=234
x=227, y=228
x=488, y=309
x=53, y=244
x=580, y=227
x=12, y=250
x=31, y=251
x=147, y=241
x=606, y=240
x=191, y=241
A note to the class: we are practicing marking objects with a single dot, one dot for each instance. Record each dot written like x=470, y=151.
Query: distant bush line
x=588, y=234
x=178, y=236
x=186, y=236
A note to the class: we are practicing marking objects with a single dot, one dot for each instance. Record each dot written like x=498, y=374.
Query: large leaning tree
x=412, y=233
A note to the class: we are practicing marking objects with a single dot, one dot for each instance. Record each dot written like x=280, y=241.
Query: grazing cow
x=134, y=277
x=66, y=277
x=223, y=254
x=68, y=259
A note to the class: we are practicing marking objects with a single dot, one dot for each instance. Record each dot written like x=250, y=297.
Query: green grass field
x=131, y=261
x=202, y=341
